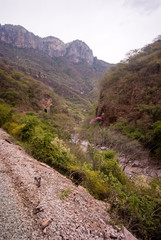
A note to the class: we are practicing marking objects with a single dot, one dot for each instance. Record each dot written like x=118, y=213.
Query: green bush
x=40, y=139
x=5, y=114
x=109, y=154
x=12, y=97
x=53, y=152
x=97, y=185
x=111, y=166
x=138, y=208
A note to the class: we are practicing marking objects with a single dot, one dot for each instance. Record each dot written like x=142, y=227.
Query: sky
x=111, y=28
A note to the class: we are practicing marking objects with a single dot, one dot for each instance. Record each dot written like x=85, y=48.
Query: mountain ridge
x=17, y=35
x=70, y=69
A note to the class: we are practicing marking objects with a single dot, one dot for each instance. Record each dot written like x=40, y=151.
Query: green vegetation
x=148, y=136
x=130, y=112
x=5, y=113
x=65, y=193
x=130, y=97
x=136, y=206
x=74, y=82
x=41, y=140
x=135, y=203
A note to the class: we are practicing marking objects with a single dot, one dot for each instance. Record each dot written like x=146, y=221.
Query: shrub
x=96, y=184
x=53, y=151
x=111, y=166
x=12, y=97
x=139, y=208
x=5, y=114
x=109, y=154
x=27, y=124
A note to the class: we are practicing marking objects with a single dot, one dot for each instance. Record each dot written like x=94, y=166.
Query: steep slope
x=131, y=96
x=45, y=204
x=26, y=93
x=69, y=68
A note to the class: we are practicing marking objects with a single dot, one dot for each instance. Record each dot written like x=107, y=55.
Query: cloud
x=143, y=6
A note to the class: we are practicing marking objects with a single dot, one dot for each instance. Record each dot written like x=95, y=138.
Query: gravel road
x=36, y=202
x=15, y=221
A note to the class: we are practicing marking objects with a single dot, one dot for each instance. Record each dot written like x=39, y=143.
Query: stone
x=113, y=237
x=136, y=164
x=127, y=234
x=45, y=223
x=38, y=181
x=159, y=174
x=37, y=210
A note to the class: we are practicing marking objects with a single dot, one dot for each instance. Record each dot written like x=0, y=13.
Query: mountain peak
x=76, y=51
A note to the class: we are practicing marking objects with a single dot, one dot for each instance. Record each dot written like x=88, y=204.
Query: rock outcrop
x=76, y=51
x=19, y=37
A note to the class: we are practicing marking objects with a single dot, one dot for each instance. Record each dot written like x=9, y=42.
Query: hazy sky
x=110, y=28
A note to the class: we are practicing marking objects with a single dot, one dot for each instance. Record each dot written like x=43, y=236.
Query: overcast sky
x=111, y=28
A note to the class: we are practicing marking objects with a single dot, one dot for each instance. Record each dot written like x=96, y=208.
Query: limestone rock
x=76, y=51
x=54, y=47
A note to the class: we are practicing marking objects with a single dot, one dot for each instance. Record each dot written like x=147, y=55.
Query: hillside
x=43, y=99
x=130, y=97
x=39, y=203
x=28, y=95
x=70, y=69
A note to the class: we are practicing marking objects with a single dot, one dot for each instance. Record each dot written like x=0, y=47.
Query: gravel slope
x=36, y=202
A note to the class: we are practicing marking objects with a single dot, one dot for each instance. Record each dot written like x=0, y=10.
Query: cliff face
x=19, y=37
x=54, y=47
x=76, y=51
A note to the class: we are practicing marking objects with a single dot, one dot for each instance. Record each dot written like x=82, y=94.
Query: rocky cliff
x=76, y=51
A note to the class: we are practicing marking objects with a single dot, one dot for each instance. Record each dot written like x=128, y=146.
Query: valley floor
x=36, y=202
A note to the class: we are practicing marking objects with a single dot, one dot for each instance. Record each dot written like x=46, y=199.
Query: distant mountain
x=158, y=38
x=76, y=51
x=70, y=69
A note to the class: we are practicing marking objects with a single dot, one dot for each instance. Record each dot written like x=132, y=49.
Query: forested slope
x=130, y=97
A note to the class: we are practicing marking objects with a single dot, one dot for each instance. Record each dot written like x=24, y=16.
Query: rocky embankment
x=36, y=202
